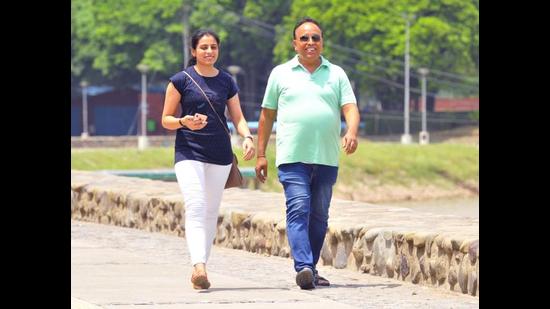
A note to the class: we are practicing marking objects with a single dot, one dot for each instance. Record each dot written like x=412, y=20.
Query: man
x=308, y=95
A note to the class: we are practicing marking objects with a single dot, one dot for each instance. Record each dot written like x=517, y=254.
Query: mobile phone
x=201, y=117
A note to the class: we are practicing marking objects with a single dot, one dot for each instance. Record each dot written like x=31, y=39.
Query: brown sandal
x=200, y=281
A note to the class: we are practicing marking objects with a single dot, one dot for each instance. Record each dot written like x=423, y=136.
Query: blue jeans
x=308, y=191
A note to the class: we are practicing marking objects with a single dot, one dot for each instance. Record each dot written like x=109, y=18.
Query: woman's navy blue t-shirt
x=210, y=144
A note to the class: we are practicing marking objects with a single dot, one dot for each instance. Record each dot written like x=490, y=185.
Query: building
x=113, y=112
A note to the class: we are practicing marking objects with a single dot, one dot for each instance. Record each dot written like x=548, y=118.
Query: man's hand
x=350, y=143
x=261, y=169
x=267, y=117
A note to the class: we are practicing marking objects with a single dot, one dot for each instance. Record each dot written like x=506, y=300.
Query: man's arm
x=267, y=117
x=351, y=114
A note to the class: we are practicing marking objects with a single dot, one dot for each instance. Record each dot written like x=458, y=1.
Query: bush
x=474, y=115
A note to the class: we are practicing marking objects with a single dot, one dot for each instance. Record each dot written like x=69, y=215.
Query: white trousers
x=202, y=186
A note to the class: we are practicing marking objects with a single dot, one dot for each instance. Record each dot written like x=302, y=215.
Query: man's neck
x=312, y=65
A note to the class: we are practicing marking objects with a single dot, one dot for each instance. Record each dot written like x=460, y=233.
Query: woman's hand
x=195, y=122
x=249, y=149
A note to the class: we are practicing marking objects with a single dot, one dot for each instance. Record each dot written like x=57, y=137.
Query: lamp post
x=142, y=139
x=234, y=70
x=84, y=85
x=424, y=137
x=406, y=137
x=185, y=31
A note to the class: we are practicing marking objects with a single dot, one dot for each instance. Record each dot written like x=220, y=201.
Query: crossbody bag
x=235, y=178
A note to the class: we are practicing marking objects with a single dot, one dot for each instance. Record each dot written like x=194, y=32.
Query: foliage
x=367, y=38
x=474, y=115
x=110, y=38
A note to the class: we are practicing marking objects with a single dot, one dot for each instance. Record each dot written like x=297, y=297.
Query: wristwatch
x=250, y=136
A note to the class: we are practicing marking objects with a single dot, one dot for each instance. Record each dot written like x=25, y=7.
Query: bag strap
x=210, y=103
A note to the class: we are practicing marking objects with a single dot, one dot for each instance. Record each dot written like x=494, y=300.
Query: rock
x=453, y=278
x=382, y=251
x=424, y=267
x=419, y=239
x=365, y=268
x=404, y=267
x=340, y=260
x=237, y=219
x=281, y=226
x=463, y=276
x=472, y=282
x=473, y=251
x=398, y=236
x=371, y=234
x=410, y=236
x=441, y=268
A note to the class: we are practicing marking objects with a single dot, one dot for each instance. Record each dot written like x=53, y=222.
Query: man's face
x=308, y=42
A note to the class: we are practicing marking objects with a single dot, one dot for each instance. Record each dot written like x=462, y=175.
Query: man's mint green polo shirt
x=308, y=111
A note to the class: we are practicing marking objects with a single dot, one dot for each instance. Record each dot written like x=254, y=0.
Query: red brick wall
x=155, y=103
x=456, y=104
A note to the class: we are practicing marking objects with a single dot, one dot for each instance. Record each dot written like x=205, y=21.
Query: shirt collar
x=294, y=62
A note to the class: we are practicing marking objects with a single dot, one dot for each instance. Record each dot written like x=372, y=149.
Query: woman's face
x=206, y=51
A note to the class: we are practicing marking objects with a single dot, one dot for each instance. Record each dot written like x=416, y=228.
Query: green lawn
x=373, y=163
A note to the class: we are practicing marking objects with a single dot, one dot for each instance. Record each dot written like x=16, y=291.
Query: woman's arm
x=169, y=120
x=234, y=108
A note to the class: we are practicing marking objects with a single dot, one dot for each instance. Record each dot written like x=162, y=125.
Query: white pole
x=142, y=139
x=84, y=86
x=143, y=104
x=424, y=136
x=185, y=32
x=406, y=137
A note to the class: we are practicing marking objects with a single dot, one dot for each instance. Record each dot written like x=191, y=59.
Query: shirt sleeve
x=177, y=81
x=271, y=96
x=233, y=88
x=346, y=92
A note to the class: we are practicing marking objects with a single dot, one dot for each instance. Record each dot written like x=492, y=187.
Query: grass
x=390, y=163
x=90, y=159
x=374, y=163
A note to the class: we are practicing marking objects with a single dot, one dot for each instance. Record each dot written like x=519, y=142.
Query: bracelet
x=250, y=136
x=181, y=123
x=260, y=156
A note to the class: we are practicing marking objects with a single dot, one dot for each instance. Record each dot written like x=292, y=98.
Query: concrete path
x=114, y=267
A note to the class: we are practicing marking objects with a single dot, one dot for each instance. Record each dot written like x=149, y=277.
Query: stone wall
x=251, y=220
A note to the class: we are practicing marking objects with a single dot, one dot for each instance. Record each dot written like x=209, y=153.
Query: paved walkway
x=114, y=267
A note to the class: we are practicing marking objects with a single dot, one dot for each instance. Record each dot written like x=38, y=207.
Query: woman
x=203, y=154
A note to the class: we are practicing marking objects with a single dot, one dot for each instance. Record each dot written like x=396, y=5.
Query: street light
x=84, y=85
x=234, y=70
x=406, y=137
x=424, y=137
x=142, y=139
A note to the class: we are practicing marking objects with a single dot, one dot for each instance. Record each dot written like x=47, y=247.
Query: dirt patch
x=372, y=191
x=463, y=135
x=394, y=193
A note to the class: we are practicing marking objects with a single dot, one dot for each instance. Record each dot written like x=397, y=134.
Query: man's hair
x=303, y=21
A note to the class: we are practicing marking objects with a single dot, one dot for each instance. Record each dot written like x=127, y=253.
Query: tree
x=109, y=38
x=367, y=38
